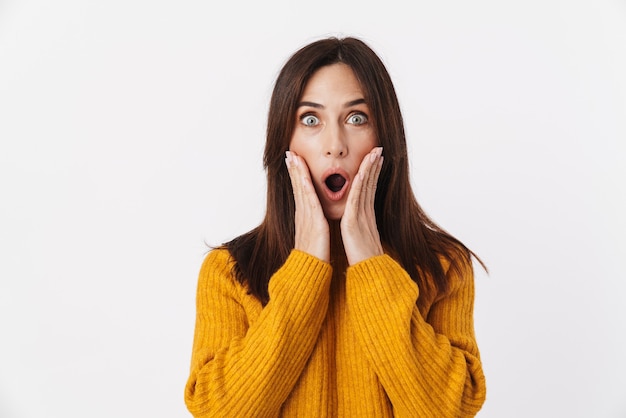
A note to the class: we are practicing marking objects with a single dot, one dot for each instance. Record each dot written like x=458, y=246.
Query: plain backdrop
x=131, y=138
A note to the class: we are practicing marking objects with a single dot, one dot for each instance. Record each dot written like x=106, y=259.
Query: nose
x=335, y=143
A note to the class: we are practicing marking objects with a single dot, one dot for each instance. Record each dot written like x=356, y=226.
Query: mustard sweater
x=343, y=343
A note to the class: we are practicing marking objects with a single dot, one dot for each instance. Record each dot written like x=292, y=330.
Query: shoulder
x=217, y=273
x=455, y=258
x=218, y=255
x=217, y=260
x=459, y=271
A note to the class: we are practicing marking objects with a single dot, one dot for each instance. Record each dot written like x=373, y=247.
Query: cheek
x=297, y=145
x=295, y=148
x=366, y=141
x=365, y=148
x=303, y=152
x=303, y=148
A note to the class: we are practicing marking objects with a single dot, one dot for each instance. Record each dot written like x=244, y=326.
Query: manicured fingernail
x=376, y=152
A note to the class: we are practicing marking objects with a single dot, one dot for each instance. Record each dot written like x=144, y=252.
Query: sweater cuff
x=301, y=272
x=382, y=275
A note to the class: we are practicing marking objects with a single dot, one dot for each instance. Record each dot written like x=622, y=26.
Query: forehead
x=335, y=80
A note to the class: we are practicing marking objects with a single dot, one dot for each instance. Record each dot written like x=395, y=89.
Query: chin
x=334, y=214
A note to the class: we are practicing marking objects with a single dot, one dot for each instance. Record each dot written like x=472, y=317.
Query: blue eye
x=309, y=120
x=357, y=119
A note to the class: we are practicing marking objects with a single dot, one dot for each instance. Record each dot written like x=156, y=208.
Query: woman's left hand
x=359, y=232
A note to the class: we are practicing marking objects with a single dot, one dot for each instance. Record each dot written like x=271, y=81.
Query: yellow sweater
x=348, y=343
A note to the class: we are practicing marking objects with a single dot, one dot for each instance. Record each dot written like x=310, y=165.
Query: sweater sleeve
x=427, y=366
x=240, y=369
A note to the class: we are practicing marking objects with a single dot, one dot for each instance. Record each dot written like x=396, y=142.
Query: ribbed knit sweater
x=333, y=343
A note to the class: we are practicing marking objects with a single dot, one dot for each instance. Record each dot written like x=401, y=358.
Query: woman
x=347, y=300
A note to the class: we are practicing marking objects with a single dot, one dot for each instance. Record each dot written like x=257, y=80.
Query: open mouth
x=335, y=182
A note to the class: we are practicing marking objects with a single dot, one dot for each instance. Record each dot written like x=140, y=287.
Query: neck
x=337, y=252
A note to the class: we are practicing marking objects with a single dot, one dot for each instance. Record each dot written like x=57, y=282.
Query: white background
x=131, y=136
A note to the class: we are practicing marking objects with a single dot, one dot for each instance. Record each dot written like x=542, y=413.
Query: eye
x=309, y=120
x=357, y=119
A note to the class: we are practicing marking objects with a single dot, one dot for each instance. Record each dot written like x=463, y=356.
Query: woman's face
x=333, y=133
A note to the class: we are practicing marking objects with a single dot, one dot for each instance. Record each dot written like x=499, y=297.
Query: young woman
x=347, y=300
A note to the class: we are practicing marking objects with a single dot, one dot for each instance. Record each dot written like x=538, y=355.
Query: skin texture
x=333, y=133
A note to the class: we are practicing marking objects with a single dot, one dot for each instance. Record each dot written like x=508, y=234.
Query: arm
x=248, y=369
x=428, y=367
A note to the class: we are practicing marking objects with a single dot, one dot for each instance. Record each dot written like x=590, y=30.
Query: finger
x=356, y=191
x=369, y=169
x=306, y=197
x=374, y=169
x=373, y=175
x=293, y=173
x=367, y=180
x=298, y=186
x=304, y=176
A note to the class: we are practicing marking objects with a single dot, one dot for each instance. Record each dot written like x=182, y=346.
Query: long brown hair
x=404, y=227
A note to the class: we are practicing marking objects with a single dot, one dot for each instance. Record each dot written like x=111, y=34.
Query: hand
x=359, y=232
x=312, y=231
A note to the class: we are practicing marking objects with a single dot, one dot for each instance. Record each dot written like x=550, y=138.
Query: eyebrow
x=319, y=106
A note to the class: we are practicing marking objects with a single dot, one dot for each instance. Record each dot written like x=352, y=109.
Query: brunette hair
x=405, y=230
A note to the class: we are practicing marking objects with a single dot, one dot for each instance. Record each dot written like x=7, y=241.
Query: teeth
x=335, y=182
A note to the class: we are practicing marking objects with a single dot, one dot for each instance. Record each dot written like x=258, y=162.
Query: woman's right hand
x=312, y=230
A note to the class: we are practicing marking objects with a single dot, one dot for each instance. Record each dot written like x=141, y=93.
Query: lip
x=338, y=195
